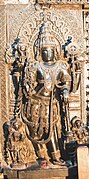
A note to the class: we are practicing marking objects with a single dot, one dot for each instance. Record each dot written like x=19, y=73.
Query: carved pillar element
x=3, y=75
x=86, y=37
x=86, y=29
x=83, y=162
x=83, y=90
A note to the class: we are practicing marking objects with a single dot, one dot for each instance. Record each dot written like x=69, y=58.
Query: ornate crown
x=46, y=38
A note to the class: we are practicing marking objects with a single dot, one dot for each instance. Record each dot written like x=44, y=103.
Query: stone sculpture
x=42, y=89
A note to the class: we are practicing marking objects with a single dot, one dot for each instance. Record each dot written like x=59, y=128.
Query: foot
x=59, y=162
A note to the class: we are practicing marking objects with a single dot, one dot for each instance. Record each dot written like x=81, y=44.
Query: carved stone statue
x=41, y=129
x=15, y=141
x=46, y=88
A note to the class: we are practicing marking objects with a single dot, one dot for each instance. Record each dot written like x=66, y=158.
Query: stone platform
x=56, y=173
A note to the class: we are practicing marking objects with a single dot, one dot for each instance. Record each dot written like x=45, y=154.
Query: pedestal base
x=54, y=173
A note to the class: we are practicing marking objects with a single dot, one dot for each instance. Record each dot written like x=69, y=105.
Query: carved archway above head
x=29, y=32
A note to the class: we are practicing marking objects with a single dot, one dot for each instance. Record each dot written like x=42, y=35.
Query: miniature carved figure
x=80, y=131
x=15, y=141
